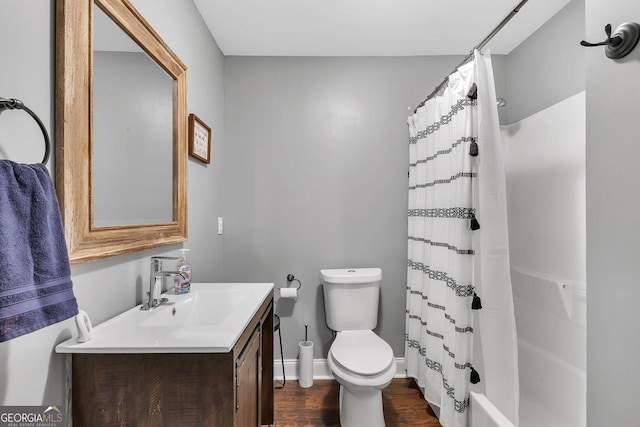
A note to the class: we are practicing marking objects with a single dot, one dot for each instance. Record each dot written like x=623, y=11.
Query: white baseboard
x=321, y=369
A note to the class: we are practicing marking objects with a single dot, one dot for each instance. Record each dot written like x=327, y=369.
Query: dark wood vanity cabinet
x=254, y=375
x=248, y=383
x=195, y=389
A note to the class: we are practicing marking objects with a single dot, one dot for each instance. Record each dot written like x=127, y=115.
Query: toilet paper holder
x=291, y=278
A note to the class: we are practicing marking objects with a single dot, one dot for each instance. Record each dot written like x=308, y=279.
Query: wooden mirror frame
x=74, y=132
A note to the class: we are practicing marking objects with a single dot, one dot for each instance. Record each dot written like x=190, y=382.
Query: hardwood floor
x=318, y=405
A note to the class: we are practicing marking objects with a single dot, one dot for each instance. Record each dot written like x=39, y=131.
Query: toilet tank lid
x=351, y=275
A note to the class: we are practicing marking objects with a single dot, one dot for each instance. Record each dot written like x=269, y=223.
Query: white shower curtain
x=458, y=250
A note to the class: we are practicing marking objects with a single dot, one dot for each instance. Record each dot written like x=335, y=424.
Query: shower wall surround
x=545, y=175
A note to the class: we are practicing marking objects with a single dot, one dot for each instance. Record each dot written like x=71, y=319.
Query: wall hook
x=619, y=44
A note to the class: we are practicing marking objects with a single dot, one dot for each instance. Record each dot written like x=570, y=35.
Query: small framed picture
x=199, y=139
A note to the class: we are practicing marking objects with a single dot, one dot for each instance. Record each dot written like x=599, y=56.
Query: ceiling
x=368, y=27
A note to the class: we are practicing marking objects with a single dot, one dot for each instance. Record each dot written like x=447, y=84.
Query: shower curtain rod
x=479, y=46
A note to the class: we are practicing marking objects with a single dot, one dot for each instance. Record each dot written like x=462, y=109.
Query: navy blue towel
x=35, y=283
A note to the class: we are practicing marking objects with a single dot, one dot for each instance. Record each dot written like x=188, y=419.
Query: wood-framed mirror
x=78, y=169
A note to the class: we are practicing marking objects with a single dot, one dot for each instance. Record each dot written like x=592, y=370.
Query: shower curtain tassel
x=473, y=92
x=474, y=225
x=476, y=304
x=474, y=377
x=473, y=149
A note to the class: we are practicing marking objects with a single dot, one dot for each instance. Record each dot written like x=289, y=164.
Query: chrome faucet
x=156, y=273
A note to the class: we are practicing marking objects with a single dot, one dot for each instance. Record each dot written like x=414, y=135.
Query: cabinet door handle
x=238, y=364
x=242, y=358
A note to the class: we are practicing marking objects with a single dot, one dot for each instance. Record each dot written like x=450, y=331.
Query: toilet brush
x=305, y=362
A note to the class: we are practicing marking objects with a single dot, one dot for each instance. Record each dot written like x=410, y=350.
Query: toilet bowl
x=363, y=364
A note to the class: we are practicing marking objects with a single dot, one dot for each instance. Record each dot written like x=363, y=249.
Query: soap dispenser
x=181, y=285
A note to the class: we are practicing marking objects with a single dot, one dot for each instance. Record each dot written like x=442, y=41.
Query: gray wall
x=613, y=231
x=316, y=177
x=548, y=66
x=316, y=162
x=612, y=176
x=270, y=168
x=30, y=372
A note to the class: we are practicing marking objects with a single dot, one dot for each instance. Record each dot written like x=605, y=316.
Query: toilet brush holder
x=305, y=364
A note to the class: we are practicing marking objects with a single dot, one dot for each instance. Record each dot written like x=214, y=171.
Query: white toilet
x=360, y=361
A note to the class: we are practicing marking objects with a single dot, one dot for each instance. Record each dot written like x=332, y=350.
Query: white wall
x=30, y=372
x=548, y=66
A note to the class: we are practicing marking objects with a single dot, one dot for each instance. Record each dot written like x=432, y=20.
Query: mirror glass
x=132, y=161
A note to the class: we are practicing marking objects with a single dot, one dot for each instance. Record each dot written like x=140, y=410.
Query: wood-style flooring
x=318, y=405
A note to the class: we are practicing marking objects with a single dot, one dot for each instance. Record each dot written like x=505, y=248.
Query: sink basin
x=209, y=319
x=204, y=307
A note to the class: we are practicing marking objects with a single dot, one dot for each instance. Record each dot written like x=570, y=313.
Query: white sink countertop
x=209, y=319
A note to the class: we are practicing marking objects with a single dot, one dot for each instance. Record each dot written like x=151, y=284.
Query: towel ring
x=16, y=104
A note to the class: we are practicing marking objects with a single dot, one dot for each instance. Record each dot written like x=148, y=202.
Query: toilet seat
x=362, y=353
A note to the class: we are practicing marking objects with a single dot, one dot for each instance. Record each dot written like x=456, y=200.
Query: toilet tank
x=351, y=298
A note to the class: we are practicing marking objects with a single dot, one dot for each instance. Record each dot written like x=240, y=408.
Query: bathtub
x=551, y=320
x=482, y=413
